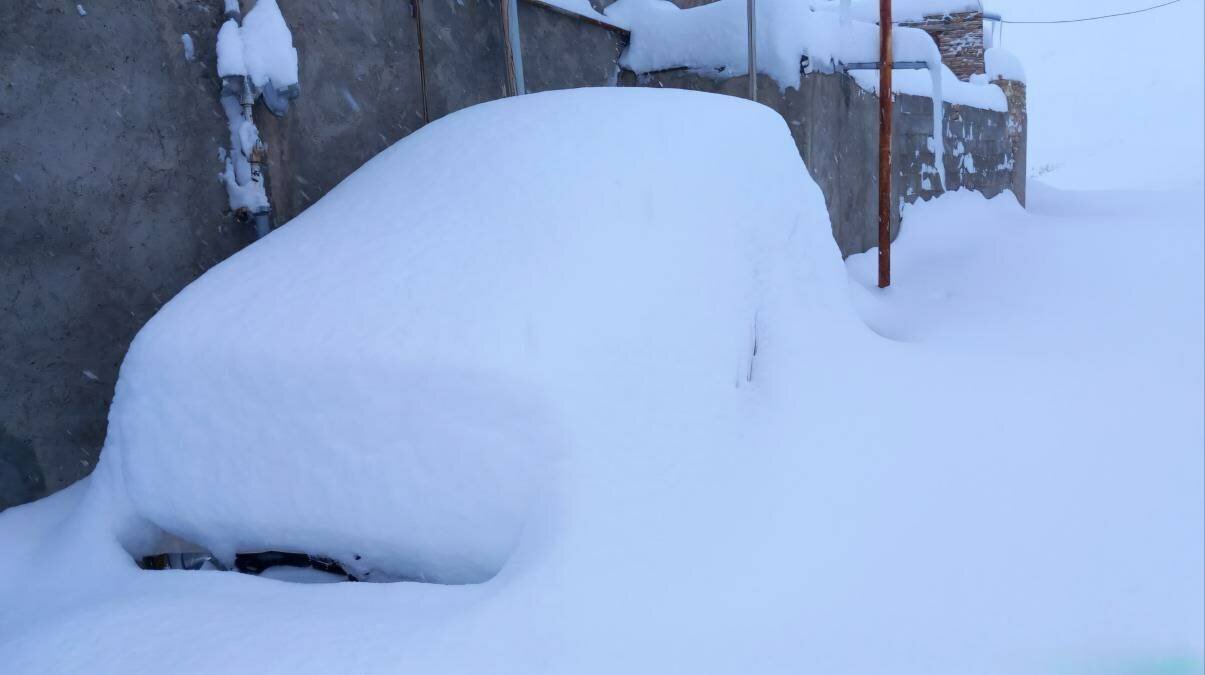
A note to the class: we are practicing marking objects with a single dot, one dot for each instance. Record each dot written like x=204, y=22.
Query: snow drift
x=409, y=351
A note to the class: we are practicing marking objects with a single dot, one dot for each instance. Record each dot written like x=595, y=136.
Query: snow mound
x=393, y=378
x=1002, y=64
x=262, y=48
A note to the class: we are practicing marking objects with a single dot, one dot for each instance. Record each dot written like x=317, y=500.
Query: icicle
x=933, y=60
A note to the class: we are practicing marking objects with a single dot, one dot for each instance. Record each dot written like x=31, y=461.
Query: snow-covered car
x=406, y=377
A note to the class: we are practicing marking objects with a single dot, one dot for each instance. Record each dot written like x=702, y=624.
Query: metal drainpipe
x=261, y=218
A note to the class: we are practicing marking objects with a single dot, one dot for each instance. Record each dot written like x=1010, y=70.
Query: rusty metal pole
x=885, y=66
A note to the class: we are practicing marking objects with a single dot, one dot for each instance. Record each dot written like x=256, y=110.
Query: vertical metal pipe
x=416, y=9
x=752, y=39
x=512, y=48
x=885, y=66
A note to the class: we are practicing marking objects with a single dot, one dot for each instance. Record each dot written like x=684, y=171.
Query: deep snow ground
x=1010, y=481
x=1017, y=489
x=1066, y=476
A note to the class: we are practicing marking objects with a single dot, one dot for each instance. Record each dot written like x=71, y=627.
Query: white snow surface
x=901, y=10
x=1002, y=64
x=431, y=354
x=231, y=54
x=995, y=466
x=262, y=48
x=584, y=8
x=977, y=94
x=1141, y=124
x=713, y=37
x=189, y=48
x=269, y=46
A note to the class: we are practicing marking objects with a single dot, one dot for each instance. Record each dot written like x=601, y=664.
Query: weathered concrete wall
x=109, y=205
x=549, y=36
x=835, y=125
x=350, y=108
x=462, y=43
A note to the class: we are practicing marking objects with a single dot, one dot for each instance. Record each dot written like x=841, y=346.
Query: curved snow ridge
x=1001, y=64
x=410, y=375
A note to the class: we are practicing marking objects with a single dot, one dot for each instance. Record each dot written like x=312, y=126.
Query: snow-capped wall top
x=585, y=9
x=1002, y=64
x=712, y=37
x=901, y=10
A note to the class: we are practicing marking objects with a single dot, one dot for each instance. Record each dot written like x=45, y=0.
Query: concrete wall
x=109, y=205
x=550, y=35
x=109, y=138
x=350, y=108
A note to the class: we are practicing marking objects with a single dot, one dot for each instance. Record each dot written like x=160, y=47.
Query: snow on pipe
x=751, y=12
x=256, y=58
x=792, y=38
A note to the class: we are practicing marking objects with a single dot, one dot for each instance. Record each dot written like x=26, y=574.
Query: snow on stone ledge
x=1002, y=64
x=711, y=39
x=901, y=10
x=392, y=378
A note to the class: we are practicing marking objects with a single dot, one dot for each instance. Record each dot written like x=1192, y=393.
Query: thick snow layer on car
x=392, y=379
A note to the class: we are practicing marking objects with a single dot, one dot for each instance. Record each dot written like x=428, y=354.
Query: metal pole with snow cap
x=885, y=66
x=512, y=48
x=751, y=12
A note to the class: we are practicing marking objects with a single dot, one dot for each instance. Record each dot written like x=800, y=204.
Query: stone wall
x=959, y=36
x=1018, y=132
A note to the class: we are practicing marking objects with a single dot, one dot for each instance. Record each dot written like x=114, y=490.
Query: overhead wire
x=1093, y=18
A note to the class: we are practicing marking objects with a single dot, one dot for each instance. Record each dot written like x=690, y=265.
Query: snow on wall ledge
x=901, y=10
x=417, y=359
x=711, y=40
